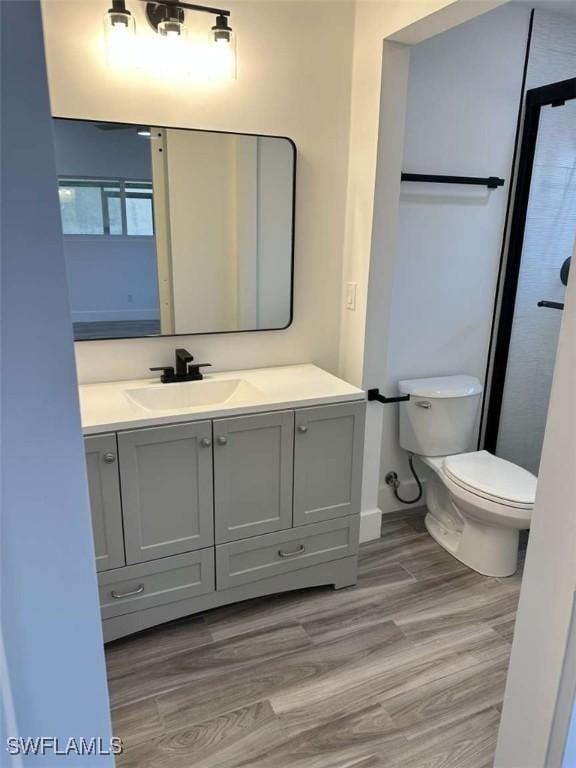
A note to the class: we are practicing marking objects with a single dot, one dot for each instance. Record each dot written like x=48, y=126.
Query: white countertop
x=106, y=407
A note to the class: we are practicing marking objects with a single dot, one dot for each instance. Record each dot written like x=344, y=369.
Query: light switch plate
x=351, y=296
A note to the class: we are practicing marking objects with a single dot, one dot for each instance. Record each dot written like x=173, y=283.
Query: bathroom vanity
x=206, y=493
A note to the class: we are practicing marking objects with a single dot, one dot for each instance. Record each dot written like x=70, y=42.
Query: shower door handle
x=551, y=304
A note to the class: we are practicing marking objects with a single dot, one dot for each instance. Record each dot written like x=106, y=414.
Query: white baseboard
x=370, y=524
x=389, y=503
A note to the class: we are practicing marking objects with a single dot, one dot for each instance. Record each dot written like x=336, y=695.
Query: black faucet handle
x=167, y=373
x=194, y=370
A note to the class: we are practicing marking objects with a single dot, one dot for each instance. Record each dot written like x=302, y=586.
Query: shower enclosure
x=541, y=241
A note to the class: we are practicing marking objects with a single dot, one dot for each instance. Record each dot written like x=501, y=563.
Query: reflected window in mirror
x=173, y=231
x=106, y=207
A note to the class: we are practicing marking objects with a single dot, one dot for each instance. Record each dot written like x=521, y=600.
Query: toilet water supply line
x=391, y=478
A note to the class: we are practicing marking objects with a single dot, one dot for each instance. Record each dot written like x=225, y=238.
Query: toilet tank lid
x=441, y=386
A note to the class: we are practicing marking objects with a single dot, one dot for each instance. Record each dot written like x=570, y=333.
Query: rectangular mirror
x=170, y=231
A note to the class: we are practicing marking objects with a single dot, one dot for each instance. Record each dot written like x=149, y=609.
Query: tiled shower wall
x=549, y=240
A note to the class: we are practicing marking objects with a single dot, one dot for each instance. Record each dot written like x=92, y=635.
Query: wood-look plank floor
x=405, y=670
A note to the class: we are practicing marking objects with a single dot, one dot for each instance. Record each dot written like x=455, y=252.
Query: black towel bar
x=490, y=181
x=551, y=304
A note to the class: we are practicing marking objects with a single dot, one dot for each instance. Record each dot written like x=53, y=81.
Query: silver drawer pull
x=298, y=551
x=424, y=403
x=109, y=458
x=302, y=428
x=120, y=595
x=205, y=442
x=222, y=440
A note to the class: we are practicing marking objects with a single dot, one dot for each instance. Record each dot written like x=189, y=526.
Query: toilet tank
x=439, y=418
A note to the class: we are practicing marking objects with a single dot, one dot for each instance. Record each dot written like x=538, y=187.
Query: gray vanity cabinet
x=253, y=464
x=328, y=449
x=104, y=489
x=195, y=515
x=166, y=486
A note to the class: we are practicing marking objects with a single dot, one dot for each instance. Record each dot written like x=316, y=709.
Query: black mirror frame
x=292, y=233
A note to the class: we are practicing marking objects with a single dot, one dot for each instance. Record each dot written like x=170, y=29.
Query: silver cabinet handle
x=222, y=440
x=298, y=551
x=423, y=403
x=302, y=428
x=109, y=458
x=120, y=595
x=205, y=442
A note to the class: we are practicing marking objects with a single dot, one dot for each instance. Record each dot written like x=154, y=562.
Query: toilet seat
x=492, y=478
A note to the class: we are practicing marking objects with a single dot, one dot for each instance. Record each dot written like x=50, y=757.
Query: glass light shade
x=171, y=28
x=120, y=31
x=172, y=55
x=222, y=56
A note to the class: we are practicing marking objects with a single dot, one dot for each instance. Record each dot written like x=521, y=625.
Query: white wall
x=294, y=73
x=49, y=617
x=383, y=30
x=549, y=581
x=463, y=97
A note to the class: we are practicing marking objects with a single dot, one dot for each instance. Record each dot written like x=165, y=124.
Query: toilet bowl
x=477, y=503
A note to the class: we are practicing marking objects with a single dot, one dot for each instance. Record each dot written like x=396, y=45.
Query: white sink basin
x=184, y=396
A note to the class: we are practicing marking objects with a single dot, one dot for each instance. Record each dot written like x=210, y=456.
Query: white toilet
x=477, y=503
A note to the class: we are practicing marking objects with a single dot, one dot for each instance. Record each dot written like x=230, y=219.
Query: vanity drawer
x=273, y=554
x=137, y=587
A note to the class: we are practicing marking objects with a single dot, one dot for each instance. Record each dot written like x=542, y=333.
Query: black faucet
x=183, y=357
x=185, y=370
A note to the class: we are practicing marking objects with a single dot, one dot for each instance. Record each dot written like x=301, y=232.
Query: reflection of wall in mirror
x=274, y=232
x=227, y=243
x=110, y=278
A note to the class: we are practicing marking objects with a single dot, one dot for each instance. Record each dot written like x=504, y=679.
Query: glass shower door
x=548, y=243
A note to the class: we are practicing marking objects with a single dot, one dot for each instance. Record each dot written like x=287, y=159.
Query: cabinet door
x=104, y=489
x=166, y=477
x=328, y=450
x=253, y=467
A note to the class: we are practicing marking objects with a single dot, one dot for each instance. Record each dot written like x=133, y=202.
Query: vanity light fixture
x=168, y=19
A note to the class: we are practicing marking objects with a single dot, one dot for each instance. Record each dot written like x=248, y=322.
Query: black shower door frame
x=554, y=95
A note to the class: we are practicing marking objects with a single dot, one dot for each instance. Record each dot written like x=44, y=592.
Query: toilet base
x=487, y=549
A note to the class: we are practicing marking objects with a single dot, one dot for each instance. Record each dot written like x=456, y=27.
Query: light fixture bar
x=204, y=9
x=191, y=7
